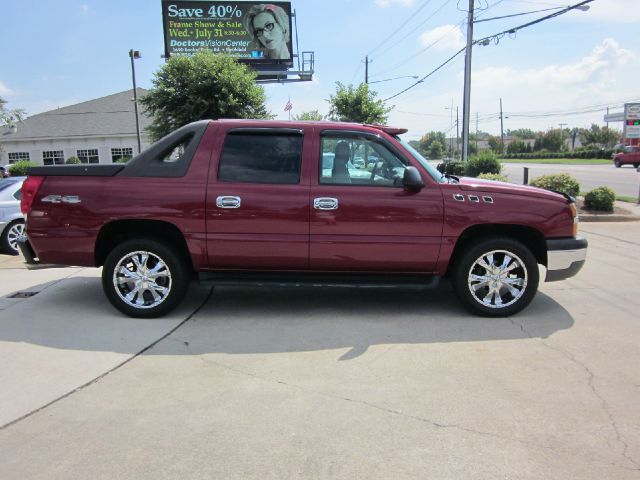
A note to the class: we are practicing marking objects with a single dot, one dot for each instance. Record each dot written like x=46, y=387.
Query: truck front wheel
x=497, y=277
x=144, y=278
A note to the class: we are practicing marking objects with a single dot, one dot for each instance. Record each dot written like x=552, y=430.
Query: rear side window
x=261, y=158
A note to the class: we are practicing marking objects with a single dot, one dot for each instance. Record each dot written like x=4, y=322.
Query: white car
x=11, y=219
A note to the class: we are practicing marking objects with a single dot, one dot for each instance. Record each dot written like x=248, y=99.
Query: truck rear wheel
x=144, y=278
x=497, y=277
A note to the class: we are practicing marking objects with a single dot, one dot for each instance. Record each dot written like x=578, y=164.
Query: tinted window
x=261, y=158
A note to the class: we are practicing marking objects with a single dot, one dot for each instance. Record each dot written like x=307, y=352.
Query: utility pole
x=458, y=132
x=366, y=69
x=562, y=132
x=607, y=117
x=467, y=84
x=501, y=128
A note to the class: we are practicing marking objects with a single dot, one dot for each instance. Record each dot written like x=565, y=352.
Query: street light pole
x=134, y=54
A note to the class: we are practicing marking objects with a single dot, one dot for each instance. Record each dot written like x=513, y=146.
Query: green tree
x=10, y=117
x=310, y=115
x=495, y=144
x=518, y=146
x=359, y=105
x=436, y=150
x=521, y=133
x=599, y=137
x=432, y=144
x=203, y=86
x=553, y=141
x=73, y=161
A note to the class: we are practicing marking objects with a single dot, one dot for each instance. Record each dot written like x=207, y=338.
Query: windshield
x=7, y=182
x=432, y=171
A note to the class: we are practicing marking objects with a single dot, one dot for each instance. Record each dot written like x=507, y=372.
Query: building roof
x=112, y=115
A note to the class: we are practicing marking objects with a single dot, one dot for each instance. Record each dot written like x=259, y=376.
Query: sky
x=563, y=71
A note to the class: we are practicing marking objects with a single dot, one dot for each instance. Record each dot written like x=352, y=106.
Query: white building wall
x=70, y=147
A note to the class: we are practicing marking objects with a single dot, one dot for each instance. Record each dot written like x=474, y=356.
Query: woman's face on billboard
x=269, y=33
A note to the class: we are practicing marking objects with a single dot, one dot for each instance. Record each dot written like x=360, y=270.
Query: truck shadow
x=74, y=314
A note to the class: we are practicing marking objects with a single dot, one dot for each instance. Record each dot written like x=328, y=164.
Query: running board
x=280, y=279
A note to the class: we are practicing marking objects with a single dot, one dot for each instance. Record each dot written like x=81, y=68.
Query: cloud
x=84, y=8
x=5, y=91
x=446, y=37
x=599, y=66
x=386, y=3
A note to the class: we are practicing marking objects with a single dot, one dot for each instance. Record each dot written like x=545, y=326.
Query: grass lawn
x=559, y=161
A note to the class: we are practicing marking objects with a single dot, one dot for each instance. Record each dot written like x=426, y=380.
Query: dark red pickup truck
x=298, y=203
x=629, y=156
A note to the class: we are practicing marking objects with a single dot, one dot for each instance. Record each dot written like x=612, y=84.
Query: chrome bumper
x=565, y=257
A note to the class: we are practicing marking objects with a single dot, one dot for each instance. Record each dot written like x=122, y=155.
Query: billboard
x=631, y=120
x=253, y=32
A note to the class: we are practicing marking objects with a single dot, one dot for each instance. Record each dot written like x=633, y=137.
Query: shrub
x=601, y=199
x=451, y=168
x=19, y=169
x=123, y=159
x=73, y=161
x=498, y=177
x=486, y=162
x=561, y=182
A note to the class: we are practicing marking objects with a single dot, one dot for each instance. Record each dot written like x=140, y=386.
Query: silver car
x=11, y=219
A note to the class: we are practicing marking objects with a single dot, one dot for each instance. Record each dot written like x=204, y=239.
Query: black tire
x=617, y=163
x=636, y=165
x=155, y=281
x=507, y=288
x=10, y=236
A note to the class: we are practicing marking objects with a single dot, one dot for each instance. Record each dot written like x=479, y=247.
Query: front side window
x=18, y=156
x=89, y=155
x=261, y=158
x=359, y=160
x=53, y=157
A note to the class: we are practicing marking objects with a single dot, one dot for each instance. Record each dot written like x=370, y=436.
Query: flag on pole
x=288, y=106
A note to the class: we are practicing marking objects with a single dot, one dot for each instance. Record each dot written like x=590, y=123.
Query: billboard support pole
x=295, y=23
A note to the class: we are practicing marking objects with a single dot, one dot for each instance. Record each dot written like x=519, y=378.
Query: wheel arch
x=530, y=237
x=118, y=231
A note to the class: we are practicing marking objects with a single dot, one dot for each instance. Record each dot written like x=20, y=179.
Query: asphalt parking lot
x=334, y=383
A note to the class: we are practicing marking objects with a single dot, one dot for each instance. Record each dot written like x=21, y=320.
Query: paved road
x=624, y=180
x=286, y=383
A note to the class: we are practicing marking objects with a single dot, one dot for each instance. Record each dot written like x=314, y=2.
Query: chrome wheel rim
x=15, y=232
x=142, y=279
x=497, y=279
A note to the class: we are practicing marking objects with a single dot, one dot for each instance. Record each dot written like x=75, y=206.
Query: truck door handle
x=228, y=202
x=325, y=203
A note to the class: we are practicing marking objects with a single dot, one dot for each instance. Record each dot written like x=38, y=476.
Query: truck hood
x=479, y=185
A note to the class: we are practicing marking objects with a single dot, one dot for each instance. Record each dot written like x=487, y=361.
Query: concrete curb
x=632, y=215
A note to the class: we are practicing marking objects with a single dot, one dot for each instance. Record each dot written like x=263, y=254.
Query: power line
x=428, y=75
x=414, y=29
x=496, y=37
x=411, y=17
x=516, y=14
x=420, y=52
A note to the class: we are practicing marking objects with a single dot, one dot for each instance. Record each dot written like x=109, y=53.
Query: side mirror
x=412, y=179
